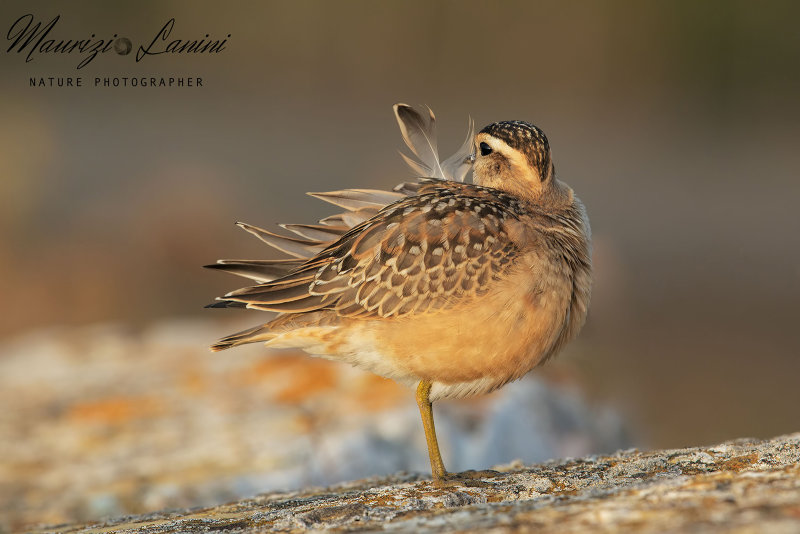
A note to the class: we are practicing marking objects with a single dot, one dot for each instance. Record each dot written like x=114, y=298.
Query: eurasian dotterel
x=450, y=287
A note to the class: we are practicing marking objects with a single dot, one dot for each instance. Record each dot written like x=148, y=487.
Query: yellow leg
x=426, y=411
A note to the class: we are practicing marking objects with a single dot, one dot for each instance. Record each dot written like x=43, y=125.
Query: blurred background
x=678, y=125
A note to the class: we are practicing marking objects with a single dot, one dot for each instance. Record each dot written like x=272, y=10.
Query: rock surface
x=106, y=421
x=739, y=486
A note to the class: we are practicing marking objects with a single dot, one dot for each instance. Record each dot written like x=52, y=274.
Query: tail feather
x=317, y=231
x=299, y=248
x=226, y=304
x=251, y=335
x=350, y=218
x=307, y=304
x=353, y=199
x=258, y=270
x=268, y=294
x=409, y=188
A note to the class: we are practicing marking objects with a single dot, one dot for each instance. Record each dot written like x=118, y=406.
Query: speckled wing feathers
x=390, y=253
x=419, y=254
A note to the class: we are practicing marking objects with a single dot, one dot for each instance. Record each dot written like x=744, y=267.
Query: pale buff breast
x=469, y=349
x=494, y=339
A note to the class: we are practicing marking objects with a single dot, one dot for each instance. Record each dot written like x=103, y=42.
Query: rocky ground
x=740, y=486
x=106, y=421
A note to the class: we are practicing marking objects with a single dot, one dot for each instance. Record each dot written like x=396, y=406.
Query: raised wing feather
x=419, y=135
x=459, y=164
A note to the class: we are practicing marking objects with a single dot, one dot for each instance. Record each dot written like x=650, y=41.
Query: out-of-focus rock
x=740, y=486
x=104, y=421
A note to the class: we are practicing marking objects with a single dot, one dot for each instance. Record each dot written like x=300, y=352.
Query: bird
x=450, y=287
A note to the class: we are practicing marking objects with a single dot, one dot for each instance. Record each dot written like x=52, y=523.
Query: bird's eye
x=485, y=149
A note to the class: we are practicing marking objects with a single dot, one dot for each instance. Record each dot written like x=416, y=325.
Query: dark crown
x=526, y=138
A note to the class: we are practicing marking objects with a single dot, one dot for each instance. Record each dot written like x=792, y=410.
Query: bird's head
x=514, y=156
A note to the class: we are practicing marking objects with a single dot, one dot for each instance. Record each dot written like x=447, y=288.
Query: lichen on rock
x=738, y=486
